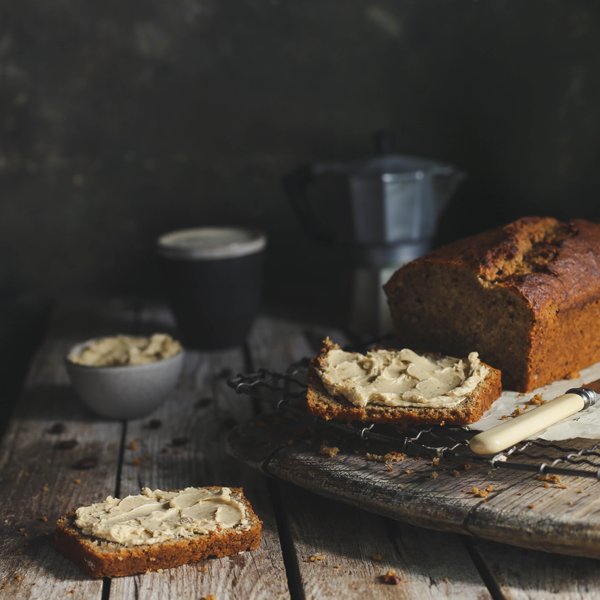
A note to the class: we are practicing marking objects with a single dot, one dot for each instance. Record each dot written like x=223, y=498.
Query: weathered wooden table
x=312, y=547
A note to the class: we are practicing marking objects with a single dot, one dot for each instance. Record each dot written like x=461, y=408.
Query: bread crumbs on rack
x=329, y=451
x=455, y=473
x=434, y=475
x=390, y=577
x=435, y=461
x=377, y=557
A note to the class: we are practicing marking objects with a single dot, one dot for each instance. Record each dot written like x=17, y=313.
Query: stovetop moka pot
x=381, y=212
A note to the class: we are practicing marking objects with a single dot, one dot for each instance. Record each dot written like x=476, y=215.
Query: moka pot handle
x=296, y=185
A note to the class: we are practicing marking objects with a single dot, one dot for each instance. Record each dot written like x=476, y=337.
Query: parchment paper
x=584, y=424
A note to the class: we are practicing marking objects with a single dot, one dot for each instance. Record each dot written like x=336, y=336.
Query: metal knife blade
x=592, y=385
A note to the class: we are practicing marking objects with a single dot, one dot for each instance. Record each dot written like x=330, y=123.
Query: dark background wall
x=121, y=120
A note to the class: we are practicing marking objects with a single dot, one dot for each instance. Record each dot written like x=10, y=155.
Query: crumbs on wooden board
x=389, y=457
x=329, y=451
x=551, y=480
x=481, y=492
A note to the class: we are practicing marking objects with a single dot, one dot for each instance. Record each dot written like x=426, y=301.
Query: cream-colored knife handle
x=515, y=430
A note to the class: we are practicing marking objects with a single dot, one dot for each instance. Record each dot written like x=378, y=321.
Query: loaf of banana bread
x=525, y=296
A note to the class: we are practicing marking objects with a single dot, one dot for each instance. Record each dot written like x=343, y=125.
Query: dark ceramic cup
x=213, y=279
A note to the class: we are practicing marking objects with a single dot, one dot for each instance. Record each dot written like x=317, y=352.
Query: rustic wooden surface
x=312, y=547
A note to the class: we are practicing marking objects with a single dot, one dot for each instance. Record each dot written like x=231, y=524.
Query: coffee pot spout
x=445, y=183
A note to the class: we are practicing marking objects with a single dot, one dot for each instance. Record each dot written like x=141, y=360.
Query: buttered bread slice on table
x=158, y=530
x=400, y=386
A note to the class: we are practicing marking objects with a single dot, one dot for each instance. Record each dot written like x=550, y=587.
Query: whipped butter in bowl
x=125, y=377
x=125, y=350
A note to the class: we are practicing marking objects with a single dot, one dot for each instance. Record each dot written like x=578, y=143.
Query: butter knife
x=515, y=430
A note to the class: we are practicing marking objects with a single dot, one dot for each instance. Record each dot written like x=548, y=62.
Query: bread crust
x=322, y=404
x=544, y=271
x=100, y=558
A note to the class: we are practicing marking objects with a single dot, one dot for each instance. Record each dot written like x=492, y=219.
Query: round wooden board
x=510, y=506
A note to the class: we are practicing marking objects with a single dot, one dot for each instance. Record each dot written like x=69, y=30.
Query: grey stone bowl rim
x=107, y=368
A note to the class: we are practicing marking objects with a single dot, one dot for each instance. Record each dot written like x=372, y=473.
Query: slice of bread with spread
x=400, y=386
x=158, y=530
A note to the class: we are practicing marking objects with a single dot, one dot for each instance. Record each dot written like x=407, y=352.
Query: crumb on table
x=391, y=577
x=316, y=557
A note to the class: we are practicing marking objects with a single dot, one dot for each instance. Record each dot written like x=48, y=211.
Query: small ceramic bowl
x=124, y=392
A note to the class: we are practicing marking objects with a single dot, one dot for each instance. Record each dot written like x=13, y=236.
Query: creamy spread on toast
x=400, y=378
x=156, y=516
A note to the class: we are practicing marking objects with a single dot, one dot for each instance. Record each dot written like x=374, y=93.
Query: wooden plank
x=38, y=481
x=185, y=447
x=523, y=574
x=333, y=545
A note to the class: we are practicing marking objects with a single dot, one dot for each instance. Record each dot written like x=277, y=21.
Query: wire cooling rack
x=287, y=391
